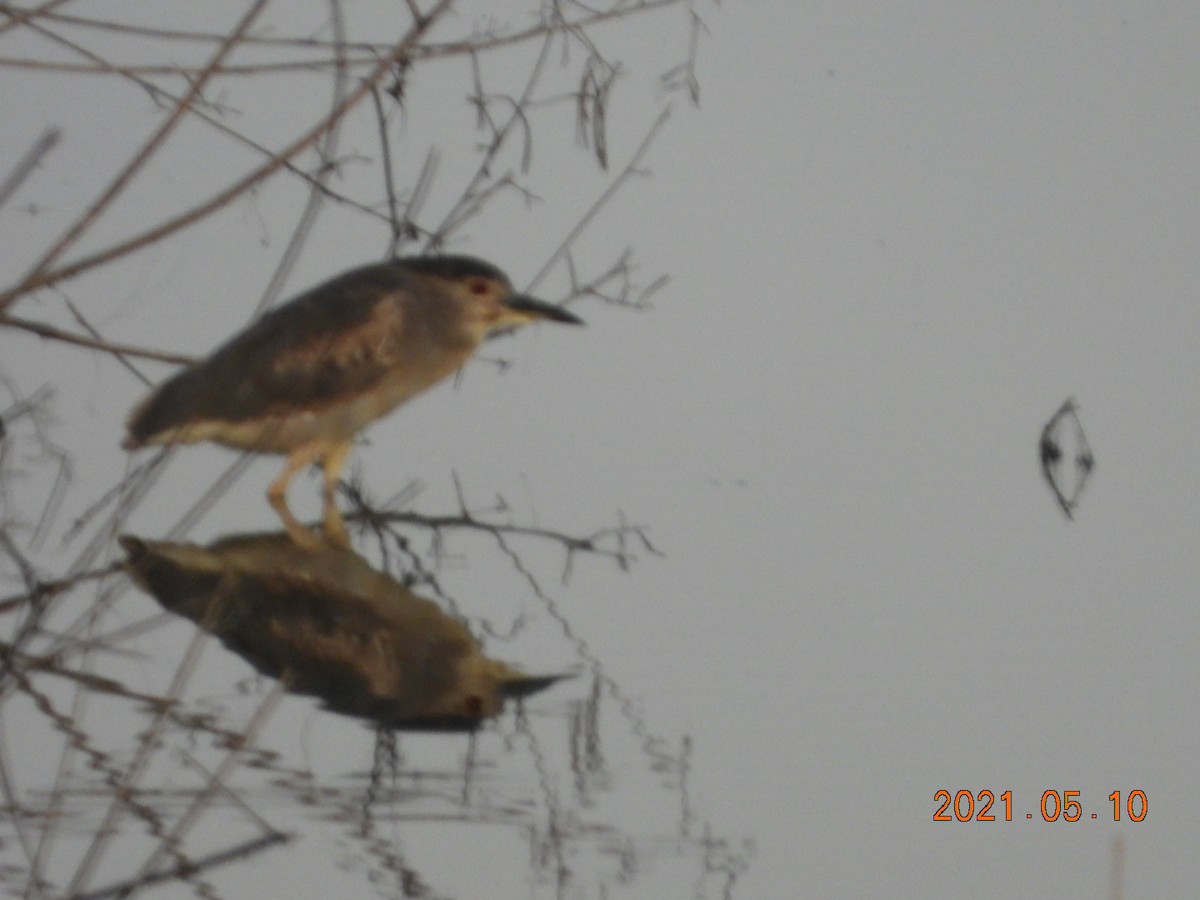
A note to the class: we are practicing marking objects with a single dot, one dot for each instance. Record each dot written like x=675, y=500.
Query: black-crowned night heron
x=328, y=625
x=305, y=378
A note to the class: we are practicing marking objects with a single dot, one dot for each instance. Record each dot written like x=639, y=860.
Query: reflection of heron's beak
x=541, y=309
x=525, y=685
x=135, y=547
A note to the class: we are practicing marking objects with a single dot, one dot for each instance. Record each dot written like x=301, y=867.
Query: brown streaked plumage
x=324, y=622
x=305, y=378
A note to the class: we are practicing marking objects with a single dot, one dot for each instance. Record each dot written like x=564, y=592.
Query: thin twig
x=326, y=153
x=630, y=169
x=158, y=94
x=473, y=196
x=20, y=17
x=592, y=17
x=27, y=163
x=109, y=194
x=236, y=853
x=42, y=278
x=57, y=334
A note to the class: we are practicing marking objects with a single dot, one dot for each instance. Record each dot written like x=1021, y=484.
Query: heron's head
x=481, y=687
x=484, y=296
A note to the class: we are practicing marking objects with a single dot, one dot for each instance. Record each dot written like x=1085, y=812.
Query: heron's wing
x=334, y=341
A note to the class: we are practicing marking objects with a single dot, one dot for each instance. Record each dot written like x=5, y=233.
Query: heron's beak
x=524, y=685
x=540, y=309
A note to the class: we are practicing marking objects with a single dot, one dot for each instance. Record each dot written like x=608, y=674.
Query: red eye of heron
x=477, y=286
x=473, y=705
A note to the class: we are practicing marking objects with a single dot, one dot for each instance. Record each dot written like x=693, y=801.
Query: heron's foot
x=300, y=535
x=335, y=526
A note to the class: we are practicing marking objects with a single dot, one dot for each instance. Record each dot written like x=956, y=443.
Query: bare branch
x=142, y=156
x=27, y=163
x=630, y=169
x=57, y=334
x=41, y=277
x=73, y=625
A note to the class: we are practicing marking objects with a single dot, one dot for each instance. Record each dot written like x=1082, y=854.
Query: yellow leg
x=277, y=493
x=335, y=526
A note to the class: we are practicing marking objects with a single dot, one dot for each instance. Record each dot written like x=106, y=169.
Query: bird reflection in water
x=328, y=625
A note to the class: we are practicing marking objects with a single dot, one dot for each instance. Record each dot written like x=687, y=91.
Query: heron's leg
x=334, y=460
x=277, y=493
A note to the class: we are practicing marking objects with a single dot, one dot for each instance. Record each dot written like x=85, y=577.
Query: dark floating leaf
x=1063, y=438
